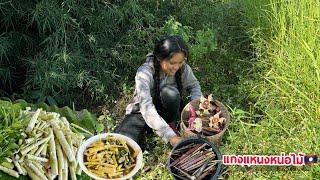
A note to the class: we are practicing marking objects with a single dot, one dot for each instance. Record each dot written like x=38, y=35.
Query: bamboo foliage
x=75, y=52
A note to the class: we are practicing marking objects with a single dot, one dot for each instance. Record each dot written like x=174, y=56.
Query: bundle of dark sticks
x=193, y=161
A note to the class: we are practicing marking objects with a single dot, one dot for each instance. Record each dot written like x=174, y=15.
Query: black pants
x=134, y=126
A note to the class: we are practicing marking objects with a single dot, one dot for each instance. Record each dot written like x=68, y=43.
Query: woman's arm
x=190, y=82
x=144, y=80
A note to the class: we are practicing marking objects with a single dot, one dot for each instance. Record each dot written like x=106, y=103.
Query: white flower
x=197, y=124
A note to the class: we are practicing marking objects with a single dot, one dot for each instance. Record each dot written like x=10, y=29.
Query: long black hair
x=164, y=49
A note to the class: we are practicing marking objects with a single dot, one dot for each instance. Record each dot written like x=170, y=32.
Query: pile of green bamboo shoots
x=48, y=148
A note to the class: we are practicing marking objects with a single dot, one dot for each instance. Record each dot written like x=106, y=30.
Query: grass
x=287, y=90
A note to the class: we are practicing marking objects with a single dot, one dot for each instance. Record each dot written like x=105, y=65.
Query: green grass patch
x=286, y=89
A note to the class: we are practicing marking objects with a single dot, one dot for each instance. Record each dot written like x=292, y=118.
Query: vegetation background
x=261, y=58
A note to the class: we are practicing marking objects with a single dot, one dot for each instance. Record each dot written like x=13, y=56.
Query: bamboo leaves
x=12, y=120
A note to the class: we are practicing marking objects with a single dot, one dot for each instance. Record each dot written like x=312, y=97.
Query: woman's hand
x=175, y=140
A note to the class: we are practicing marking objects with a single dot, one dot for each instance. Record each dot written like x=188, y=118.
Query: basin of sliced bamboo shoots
x=110, y=156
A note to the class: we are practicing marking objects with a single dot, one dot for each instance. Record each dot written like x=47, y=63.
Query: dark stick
x=190, y=158
x=204, y=174
x=177, y=151
x=184, y=147
x=208, y=170
x=198, y=163
x=196, y=159
x=202, y=168
x=186, y=154
x=186, y=174
x=212, y=164
x=177, y=175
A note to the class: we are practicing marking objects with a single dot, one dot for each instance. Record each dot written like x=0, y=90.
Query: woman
x=158, y=87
